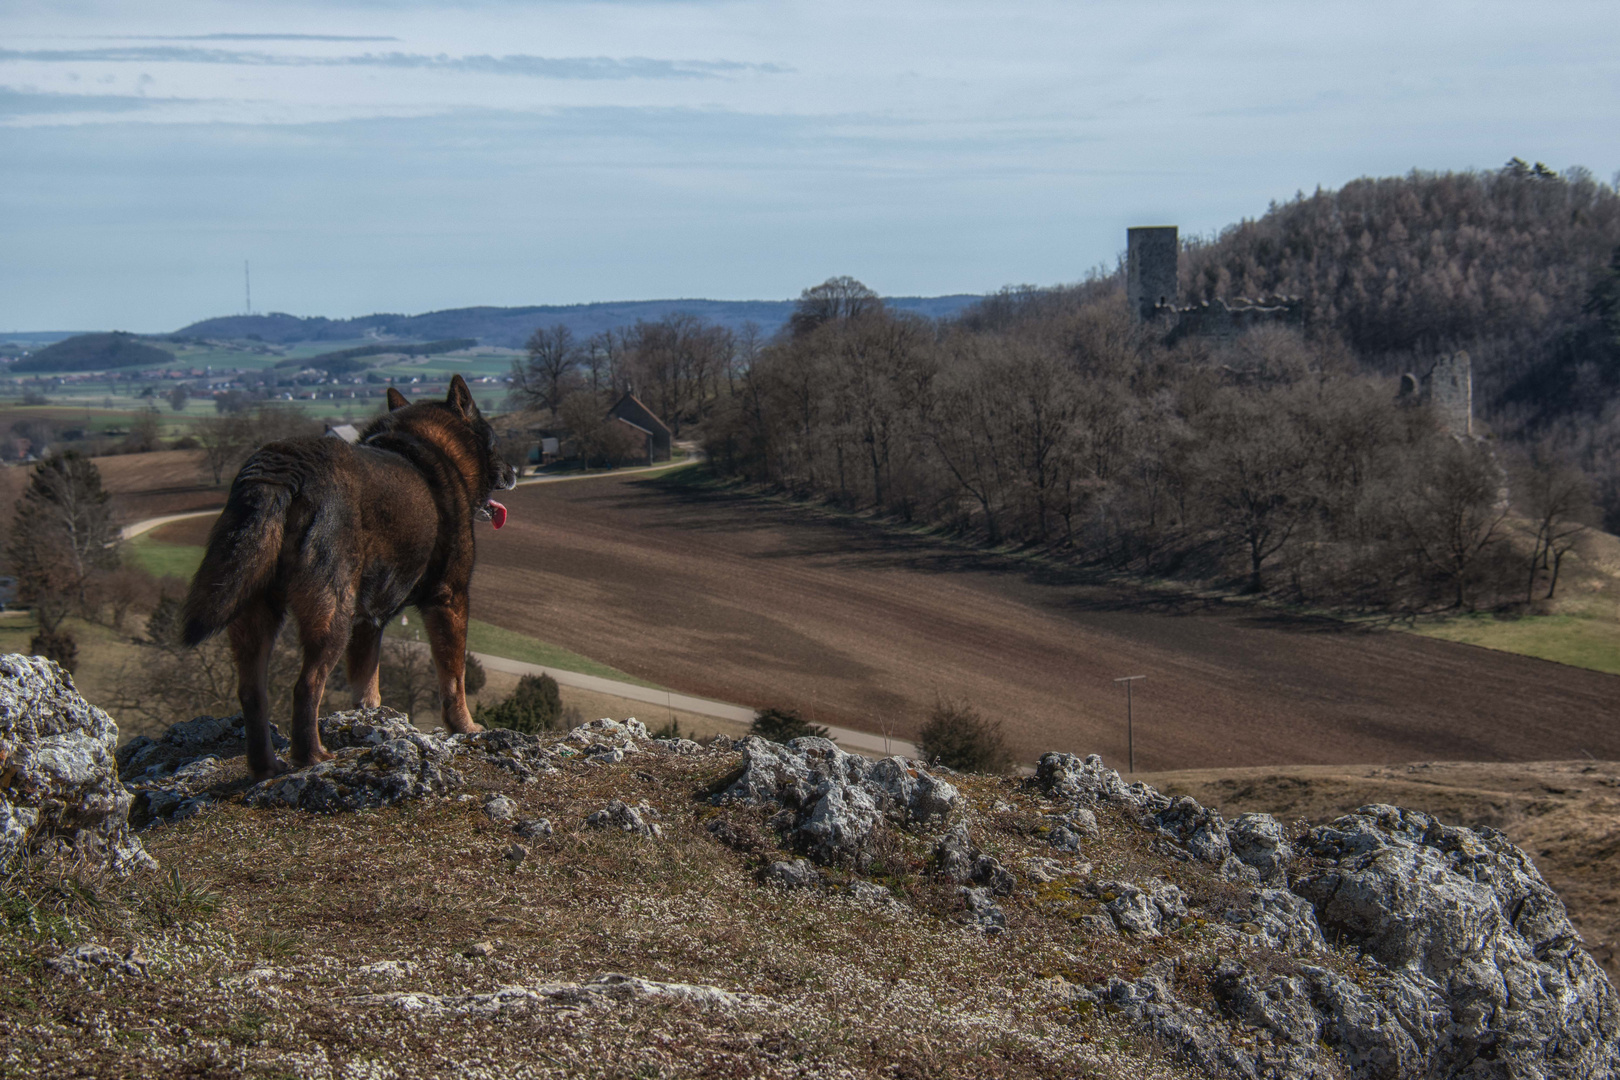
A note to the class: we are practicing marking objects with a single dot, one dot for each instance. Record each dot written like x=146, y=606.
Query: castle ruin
x=1152, y=290
x=1448, y=389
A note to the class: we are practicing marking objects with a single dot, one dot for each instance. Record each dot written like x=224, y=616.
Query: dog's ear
x=396, y=400
x=460, y=397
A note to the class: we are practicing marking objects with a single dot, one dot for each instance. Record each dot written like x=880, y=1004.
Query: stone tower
x=1450, y=390
x=1152, y=255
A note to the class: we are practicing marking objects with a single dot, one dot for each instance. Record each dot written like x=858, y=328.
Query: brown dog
x=344, y=537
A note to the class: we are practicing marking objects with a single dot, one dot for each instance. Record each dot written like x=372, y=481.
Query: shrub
x=535, y=706
x=959, y=737
x=783, y=725
x=56, y=645
x=669, y=730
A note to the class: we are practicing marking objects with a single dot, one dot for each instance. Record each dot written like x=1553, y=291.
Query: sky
x=410, y=156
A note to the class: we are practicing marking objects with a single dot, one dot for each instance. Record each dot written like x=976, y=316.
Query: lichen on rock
x=59, y=786
x=831, y=803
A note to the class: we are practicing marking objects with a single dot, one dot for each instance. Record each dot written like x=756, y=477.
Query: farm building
x=629, y=410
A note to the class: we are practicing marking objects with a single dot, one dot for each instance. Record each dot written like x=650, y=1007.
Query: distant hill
x=511, y=326
x=95, y=352
x=345, y=361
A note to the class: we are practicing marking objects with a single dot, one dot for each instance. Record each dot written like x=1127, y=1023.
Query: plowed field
x=747, y=600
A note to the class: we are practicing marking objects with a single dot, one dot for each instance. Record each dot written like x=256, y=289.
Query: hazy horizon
x=416, y=156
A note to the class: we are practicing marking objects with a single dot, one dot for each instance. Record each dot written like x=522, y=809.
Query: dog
x=344, y=537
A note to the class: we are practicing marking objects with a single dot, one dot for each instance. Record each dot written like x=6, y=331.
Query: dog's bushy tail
x=243, y=549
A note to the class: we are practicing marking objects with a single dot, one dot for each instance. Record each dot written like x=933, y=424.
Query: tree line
x=1051, y=419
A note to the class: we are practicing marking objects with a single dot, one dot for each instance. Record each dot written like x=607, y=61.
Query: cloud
x=15, y=102
x=247, y=37
x=545, y=67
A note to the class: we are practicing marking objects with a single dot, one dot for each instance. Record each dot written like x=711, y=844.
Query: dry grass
x=261, y=929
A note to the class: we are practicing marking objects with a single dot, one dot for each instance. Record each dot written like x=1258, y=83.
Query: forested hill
x=511, y=326
x=1501, y=263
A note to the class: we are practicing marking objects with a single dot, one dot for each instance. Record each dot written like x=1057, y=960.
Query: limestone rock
x=983, y=911
x=533, y=828
x=1145, y=912
x=1258, y=840
x=1280, y=919
x=798, y=874
x=59, y=787
x=637, y=820
x=1469, y=967
x=832, y=802
x=500, y=808
x=525, y=756
x=1467, y=926
x=1066, y=776
x=379, y=759
x=959, y=860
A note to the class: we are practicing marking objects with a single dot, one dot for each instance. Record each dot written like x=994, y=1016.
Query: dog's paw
x=315, y=757
x=276, y=768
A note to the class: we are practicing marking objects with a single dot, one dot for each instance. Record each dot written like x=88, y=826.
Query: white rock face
x=59, y=788
x=832, y=802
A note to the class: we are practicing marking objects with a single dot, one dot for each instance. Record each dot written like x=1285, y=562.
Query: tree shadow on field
x=810, y=531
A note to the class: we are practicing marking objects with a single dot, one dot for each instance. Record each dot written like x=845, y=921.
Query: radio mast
x=247, y=285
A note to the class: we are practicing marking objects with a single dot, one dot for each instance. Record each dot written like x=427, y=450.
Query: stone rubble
x=500, y=808
x=59, y=788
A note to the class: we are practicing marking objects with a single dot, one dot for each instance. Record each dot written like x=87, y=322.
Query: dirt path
x=743, y=600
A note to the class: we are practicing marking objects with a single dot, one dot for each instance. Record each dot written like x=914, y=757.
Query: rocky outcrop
x=1468, y=965
x=59, y=787
x=831, y=803
x=378, y=758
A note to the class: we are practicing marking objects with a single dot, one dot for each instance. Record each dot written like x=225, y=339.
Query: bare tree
x=1257, y=475
x=838, y=299
x=1557, y=500
x=225, y=441
x=540, y=381
x=1453, y=514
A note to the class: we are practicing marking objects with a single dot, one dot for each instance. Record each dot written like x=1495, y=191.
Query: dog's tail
x=243, y=549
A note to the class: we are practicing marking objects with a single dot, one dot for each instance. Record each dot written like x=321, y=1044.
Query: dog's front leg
x=447, y=634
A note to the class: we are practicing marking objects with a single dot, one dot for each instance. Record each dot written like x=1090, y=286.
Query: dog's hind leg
x=364, y=662
x=253, y=636
x=447, y=633
x=323, y=628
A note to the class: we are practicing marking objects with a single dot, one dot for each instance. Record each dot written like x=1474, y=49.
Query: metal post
x=1130, y=723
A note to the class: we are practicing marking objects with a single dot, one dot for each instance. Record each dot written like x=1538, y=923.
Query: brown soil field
x=1566, y=814
x=752, y=600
